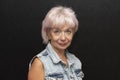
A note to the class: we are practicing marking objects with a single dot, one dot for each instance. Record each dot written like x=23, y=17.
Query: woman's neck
x=62, y=55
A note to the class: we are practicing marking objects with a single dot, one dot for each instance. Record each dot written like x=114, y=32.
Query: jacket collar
x=55, y=58
x=53, y=55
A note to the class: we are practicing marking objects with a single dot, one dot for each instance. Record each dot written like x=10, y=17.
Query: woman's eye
x=56, y=31
x=68, y=31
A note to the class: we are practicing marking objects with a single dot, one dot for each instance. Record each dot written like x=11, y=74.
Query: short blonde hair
x=58, y=15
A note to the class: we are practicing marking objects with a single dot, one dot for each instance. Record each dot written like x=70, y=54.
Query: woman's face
x=61, y=37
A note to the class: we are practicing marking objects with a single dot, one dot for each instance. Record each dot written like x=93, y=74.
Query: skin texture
x=36, y=71
x=60, y=39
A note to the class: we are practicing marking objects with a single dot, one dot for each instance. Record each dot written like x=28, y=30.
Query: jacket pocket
x=79, y=74
x=55, y=76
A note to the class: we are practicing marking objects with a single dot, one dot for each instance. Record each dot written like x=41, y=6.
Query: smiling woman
x=55, y=62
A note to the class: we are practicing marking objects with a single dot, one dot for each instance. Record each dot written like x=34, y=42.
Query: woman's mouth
x=63, y=44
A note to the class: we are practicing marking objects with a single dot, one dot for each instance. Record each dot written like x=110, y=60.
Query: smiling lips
x=62, y=44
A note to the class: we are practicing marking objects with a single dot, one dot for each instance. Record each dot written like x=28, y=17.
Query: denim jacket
x=55, y=68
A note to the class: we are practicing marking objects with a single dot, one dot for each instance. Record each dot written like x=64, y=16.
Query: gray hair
x=58, y=16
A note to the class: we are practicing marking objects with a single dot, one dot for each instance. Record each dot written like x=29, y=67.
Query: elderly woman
x=55, y=62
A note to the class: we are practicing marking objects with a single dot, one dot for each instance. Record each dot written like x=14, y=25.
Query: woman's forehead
x=62, y=27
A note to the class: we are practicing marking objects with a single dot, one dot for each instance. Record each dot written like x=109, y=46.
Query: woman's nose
x=63, y=37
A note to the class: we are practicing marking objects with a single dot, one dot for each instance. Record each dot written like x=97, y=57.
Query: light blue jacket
x=55, y=68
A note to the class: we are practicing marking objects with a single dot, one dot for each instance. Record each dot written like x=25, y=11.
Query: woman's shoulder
x=73, y=57
x=42, y=53
x=39, y=57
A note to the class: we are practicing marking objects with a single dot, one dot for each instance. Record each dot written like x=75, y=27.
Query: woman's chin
x=63, y=47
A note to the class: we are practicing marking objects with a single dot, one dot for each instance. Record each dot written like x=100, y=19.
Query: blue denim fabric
x=55, y=68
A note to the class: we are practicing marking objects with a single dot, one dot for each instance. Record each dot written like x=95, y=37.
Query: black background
x=96, y=43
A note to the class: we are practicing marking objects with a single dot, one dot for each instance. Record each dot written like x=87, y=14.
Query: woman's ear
x=49, y=36
x=49, y=39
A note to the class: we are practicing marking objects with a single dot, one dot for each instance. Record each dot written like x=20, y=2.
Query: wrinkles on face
x=61, y=37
